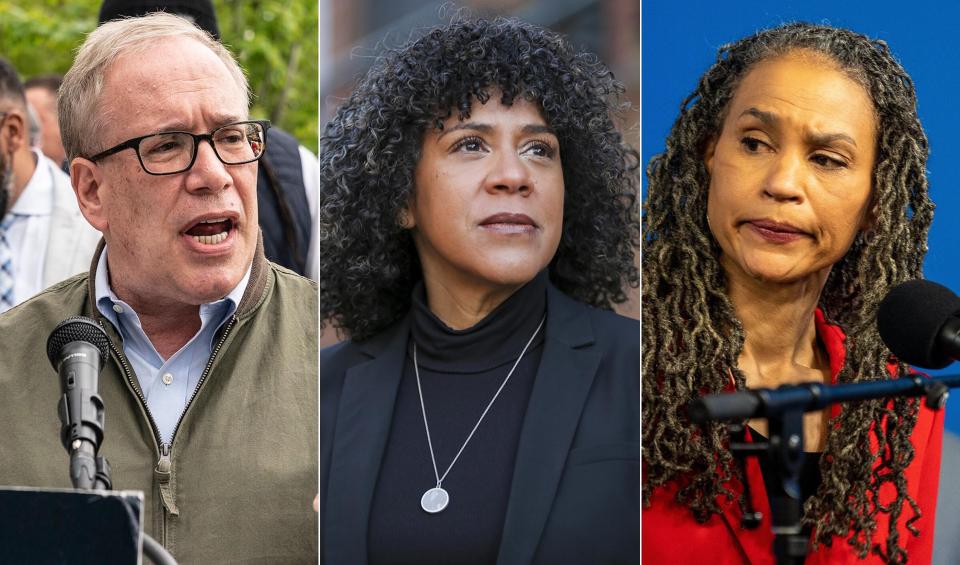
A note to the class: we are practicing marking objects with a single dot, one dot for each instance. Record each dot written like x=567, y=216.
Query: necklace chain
x=416, y=371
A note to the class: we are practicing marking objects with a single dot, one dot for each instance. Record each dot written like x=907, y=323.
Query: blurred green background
x=275, y=42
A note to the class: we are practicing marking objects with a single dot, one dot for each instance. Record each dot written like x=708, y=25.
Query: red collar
x=833, y=340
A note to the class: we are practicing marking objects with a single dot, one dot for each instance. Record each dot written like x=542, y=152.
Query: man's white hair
x=81, y=116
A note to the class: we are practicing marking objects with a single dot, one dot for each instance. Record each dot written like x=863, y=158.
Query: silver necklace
x=436, y=499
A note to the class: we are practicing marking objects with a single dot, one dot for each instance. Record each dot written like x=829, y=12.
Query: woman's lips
x=509, y=223
x=776, y=232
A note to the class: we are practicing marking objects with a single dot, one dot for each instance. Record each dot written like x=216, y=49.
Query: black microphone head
x=910, y=318
x=77, y=328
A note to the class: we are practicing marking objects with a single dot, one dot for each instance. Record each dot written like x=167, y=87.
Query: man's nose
x=208, y=171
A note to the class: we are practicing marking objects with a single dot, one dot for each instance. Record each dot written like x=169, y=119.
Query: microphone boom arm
x=813, y=396
x=783, y=408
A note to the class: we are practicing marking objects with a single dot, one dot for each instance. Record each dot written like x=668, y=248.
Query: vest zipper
x=163, y=471
x=162, y=474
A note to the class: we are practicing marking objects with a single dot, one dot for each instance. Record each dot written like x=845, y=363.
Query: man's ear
x=708, y=153
x=87, y=180
x=14, y=130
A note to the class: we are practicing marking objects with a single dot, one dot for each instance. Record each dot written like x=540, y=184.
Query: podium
x=44, y=525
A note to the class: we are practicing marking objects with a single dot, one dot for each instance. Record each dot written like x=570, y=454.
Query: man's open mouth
x=212, y=231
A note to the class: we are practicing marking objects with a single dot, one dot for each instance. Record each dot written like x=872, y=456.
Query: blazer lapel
x=363, y=426
x=562, y=384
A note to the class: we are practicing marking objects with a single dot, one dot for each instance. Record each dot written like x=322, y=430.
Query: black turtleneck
x=460, y=370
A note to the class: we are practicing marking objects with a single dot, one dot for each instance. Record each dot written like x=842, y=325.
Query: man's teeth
x=211, y=239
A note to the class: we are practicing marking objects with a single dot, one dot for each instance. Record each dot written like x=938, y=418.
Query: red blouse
x=670, y=534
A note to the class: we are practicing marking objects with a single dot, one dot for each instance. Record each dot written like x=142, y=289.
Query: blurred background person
x=41, y=93
x=43, y=236
x=33, y=127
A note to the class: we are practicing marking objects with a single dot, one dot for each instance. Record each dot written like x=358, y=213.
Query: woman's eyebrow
x=768, y=118
x=487, y=128
x=475, y=126
x=814, y=138
x=828, y=138
x=538, y=128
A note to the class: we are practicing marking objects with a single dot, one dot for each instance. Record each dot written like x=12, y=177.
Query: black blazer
x=575, y=495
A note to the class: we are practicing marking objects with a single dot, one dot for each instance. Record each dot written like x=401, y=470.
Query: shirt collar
x=107, y=299
x=36, y=199
x=834, y=342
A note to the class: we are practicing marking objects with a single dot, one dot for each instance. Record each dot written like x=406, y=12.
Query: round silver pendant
x=434, y=500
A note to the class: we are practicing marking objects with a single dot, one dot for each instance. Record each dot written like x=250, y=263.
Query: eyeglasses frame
x=197, y=138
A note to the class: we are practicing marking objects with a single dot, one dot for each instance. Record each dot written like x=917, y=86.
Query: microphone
x=77, y=348
x=919, y=321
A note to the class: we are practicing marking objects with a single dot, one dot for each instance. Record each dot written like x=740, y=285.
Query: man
x=289, y=174
x=210, y=392
x=43, y=237
x=41, y=92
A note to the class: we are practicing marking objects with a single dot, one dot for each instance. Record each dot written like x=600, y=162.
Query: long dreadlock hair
x=692, y=338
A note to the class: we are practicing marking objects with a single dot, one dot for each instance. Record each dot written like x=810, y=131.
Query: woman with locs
x=792, y=195
x=478, y=216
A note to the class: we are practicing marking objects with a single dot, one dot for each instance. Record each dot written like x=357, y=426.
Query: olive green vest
x=241, y=474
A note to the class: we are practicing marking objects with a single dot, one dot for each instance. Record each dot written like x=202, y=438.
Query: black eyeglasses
x=172, y=152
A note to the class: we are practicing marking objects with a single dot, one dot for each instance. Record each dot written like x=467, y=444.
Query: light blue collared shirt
x=166, y=385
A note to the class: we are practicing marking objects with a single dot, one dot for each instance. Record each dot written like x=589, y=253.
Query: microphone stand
x=783, y=408
x=84, y=343
x=83, y=463
x=91, y=471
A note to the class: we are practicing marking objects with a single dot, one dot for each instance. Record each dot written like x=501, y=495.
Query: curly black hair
x=692, y=338
x=368, y=264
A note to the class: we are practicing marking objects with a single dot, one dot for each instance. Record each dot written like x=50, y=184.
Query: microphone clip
x=742, y=449
x=936, y=394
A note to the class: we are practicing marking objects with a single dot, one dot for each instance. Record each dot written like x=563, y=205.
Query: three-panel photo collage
x=414, y=282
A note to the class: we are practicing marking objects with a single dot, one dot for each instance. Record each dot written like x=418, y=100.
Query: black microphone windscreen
x=77, y=328
x=910, y=318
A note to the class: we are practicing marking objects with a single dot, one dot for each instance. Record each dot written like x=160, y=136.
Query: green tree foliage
x=40, y=36
x=275, y=42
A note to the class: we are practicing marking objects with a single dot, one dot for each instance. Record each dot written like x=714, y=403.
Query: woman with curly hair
x=791, y=197
x=477, y=217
